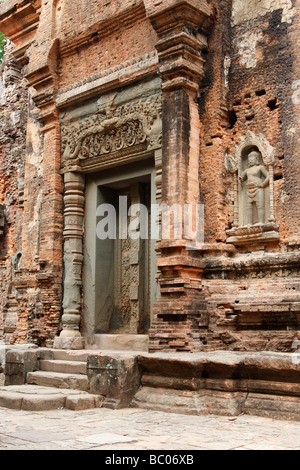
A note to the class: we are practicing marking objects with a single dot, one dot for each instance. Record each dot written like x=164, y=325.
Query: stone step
x=67, y=367
x=58, y=380
x=65, y=355
x=119, y=342
x=37, y=398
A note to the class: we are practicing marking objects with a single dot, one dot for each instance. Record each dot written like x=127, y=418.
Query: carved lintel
x=113, y=130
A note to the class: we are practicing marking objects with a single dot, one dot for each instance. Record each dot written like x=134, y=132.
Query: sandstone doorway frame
x=109, y=131
x=93, y=300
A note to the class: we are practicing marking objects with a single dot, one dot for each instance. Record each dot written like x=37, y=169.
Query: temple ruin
x=148, y=103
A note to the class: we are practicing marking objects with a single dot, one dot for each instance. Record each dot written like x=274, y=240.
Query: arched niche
x=252, y=166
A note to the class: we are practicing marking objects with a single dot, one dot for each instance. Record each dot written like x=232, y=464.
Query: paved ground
x=135, y=429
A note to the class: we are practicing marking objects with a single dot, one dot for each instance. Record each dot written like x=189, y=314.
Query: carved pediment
x=113, y=130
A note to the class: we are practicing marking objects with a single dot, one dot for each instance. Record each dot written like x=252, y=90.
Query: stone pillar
x=182, y=29
x=70, y=337
x=135, y=268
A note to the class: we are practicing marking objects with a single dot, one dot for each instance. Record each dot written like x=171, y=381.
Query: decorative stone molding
x=20, y=32
x=257, y=192
x=245, y=235
x=70, y=337
x=182, y=29
x=112, y=130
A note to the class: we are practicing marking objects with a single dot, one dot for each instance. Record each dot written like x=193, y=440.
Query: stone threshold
x=118, y=342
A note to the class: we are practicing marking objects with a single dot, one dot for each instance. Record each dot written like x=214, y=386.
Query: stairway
x=60, y=382
x=61, y=369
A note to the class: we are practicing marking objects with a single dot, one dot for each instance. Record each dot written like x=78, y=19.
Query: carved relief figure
x=254, y=180
x=252, y=167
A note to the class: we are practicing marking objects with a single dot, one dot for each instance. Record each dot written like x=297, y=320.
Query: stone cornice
x=254, y=262
x=182, y=27
x=168, y=15
x=19, y=21
x=18, y=16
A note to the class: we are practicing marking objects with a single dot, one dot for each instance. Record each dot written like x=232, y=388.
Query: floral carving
x=113, y=130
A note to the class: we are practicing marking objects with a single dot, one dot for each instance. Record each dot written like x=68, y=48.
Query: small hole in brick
x=260, y=92
x=232, y=117
x=237, y=102
x=272, y=104
x=278, y=176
